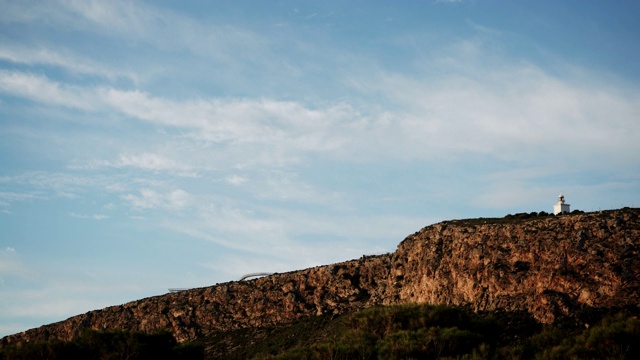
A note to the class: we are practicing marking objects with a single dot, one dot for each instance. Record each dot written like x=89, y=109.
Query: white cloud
x=283, y=131
x=148, y=199
x=28, y=11
x=41, y=89
x=8, y=197
x=278, y=232
x=235, y=120
x=145, y=161
x=173, y=200
x=178, y=199
x=65, y=60
x=141, y=22
x=517, y=112
x=119, y=15
x=287, y=186
x=48, y=184
x=487, y=103
x=87, y=216
x=236, y=180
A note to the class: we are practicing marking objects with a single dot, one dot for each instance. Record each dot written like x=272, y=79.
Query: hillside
x=549, y=267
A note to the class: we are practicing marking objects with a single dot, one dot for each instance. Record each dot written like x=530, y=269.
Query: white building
x=561, y=207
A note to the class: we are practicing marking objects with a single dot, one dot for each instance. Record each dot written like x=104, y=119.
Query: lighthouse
x=561, y=207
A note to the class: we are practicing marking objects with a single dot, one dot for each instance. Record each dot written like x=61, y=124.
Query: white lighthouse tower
x=561, y=207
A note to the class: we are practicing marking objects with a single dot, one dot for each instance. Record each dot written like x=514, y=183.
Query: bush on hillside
x=91, y=344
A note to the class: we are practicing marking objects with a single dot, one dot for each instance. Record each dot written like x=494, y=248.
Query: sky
x=148, y=145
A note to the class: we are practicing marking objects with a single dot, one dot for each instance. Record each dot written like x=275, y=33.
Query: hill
x=548, y=267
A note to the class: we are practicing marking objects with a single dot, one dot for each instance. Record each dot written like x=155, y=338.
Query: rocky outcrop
x=278, y=298
x=548, y=266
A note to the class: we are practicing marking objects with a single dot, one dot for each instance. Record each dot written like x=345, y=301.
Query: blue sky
x=149, y=145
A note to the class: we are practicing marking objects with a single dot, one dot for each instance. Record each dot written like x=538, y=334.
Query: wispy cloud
x=145, y=161
x=510, y=113
x=146, y=23
x=236, y=180
x=41, y=89
x=176, y=199
x=45, y=184
x=8, y=197
x=515, y=112
x=88, y=216
x=75, y=64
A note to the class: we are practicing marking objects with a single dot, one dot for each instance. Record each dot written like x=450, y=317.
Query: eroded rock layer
x=549, y=266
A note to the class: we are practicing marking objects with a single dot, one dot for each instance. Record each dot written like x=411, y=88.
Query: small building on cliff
x=561, y=207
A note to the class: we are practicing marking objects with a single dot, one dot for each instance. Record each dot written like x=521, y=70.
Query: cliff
x=548, y=266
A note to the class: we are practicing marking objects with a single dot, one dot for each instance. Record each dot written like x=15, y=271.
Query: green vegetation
x=402, y=332
x=615, y=337
x=107, y=345
x=383, y=332
x=509, y=218
x=438, y=332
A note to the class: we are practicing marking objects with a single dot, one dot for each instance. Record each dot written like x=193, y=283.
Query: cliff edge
x=549, y=266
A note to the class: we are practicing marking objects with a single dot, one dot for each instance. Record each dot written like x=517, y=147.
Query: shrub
x=432, y=342
x=92, y=344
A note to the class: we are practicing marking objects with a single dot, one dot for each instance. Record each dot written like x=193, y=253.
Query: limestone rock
x=548, y=266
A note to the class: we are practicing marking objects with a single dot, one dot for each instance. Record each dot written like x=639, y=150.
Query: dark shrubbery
x=438, y=332
x=107, y=345
x=616, y=337
x=383, y=332
x=404, y=332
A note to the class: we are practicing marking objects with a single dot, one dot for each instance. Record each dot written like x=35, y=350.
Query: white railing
x=243, y=277
x=254, y=275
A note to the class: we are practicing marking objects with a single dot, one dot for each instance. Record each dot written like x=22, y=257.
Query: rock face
x=548, y=266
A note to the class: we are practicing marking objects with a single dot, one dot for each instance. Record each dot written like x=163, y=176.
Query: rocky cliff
x=549, y=266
